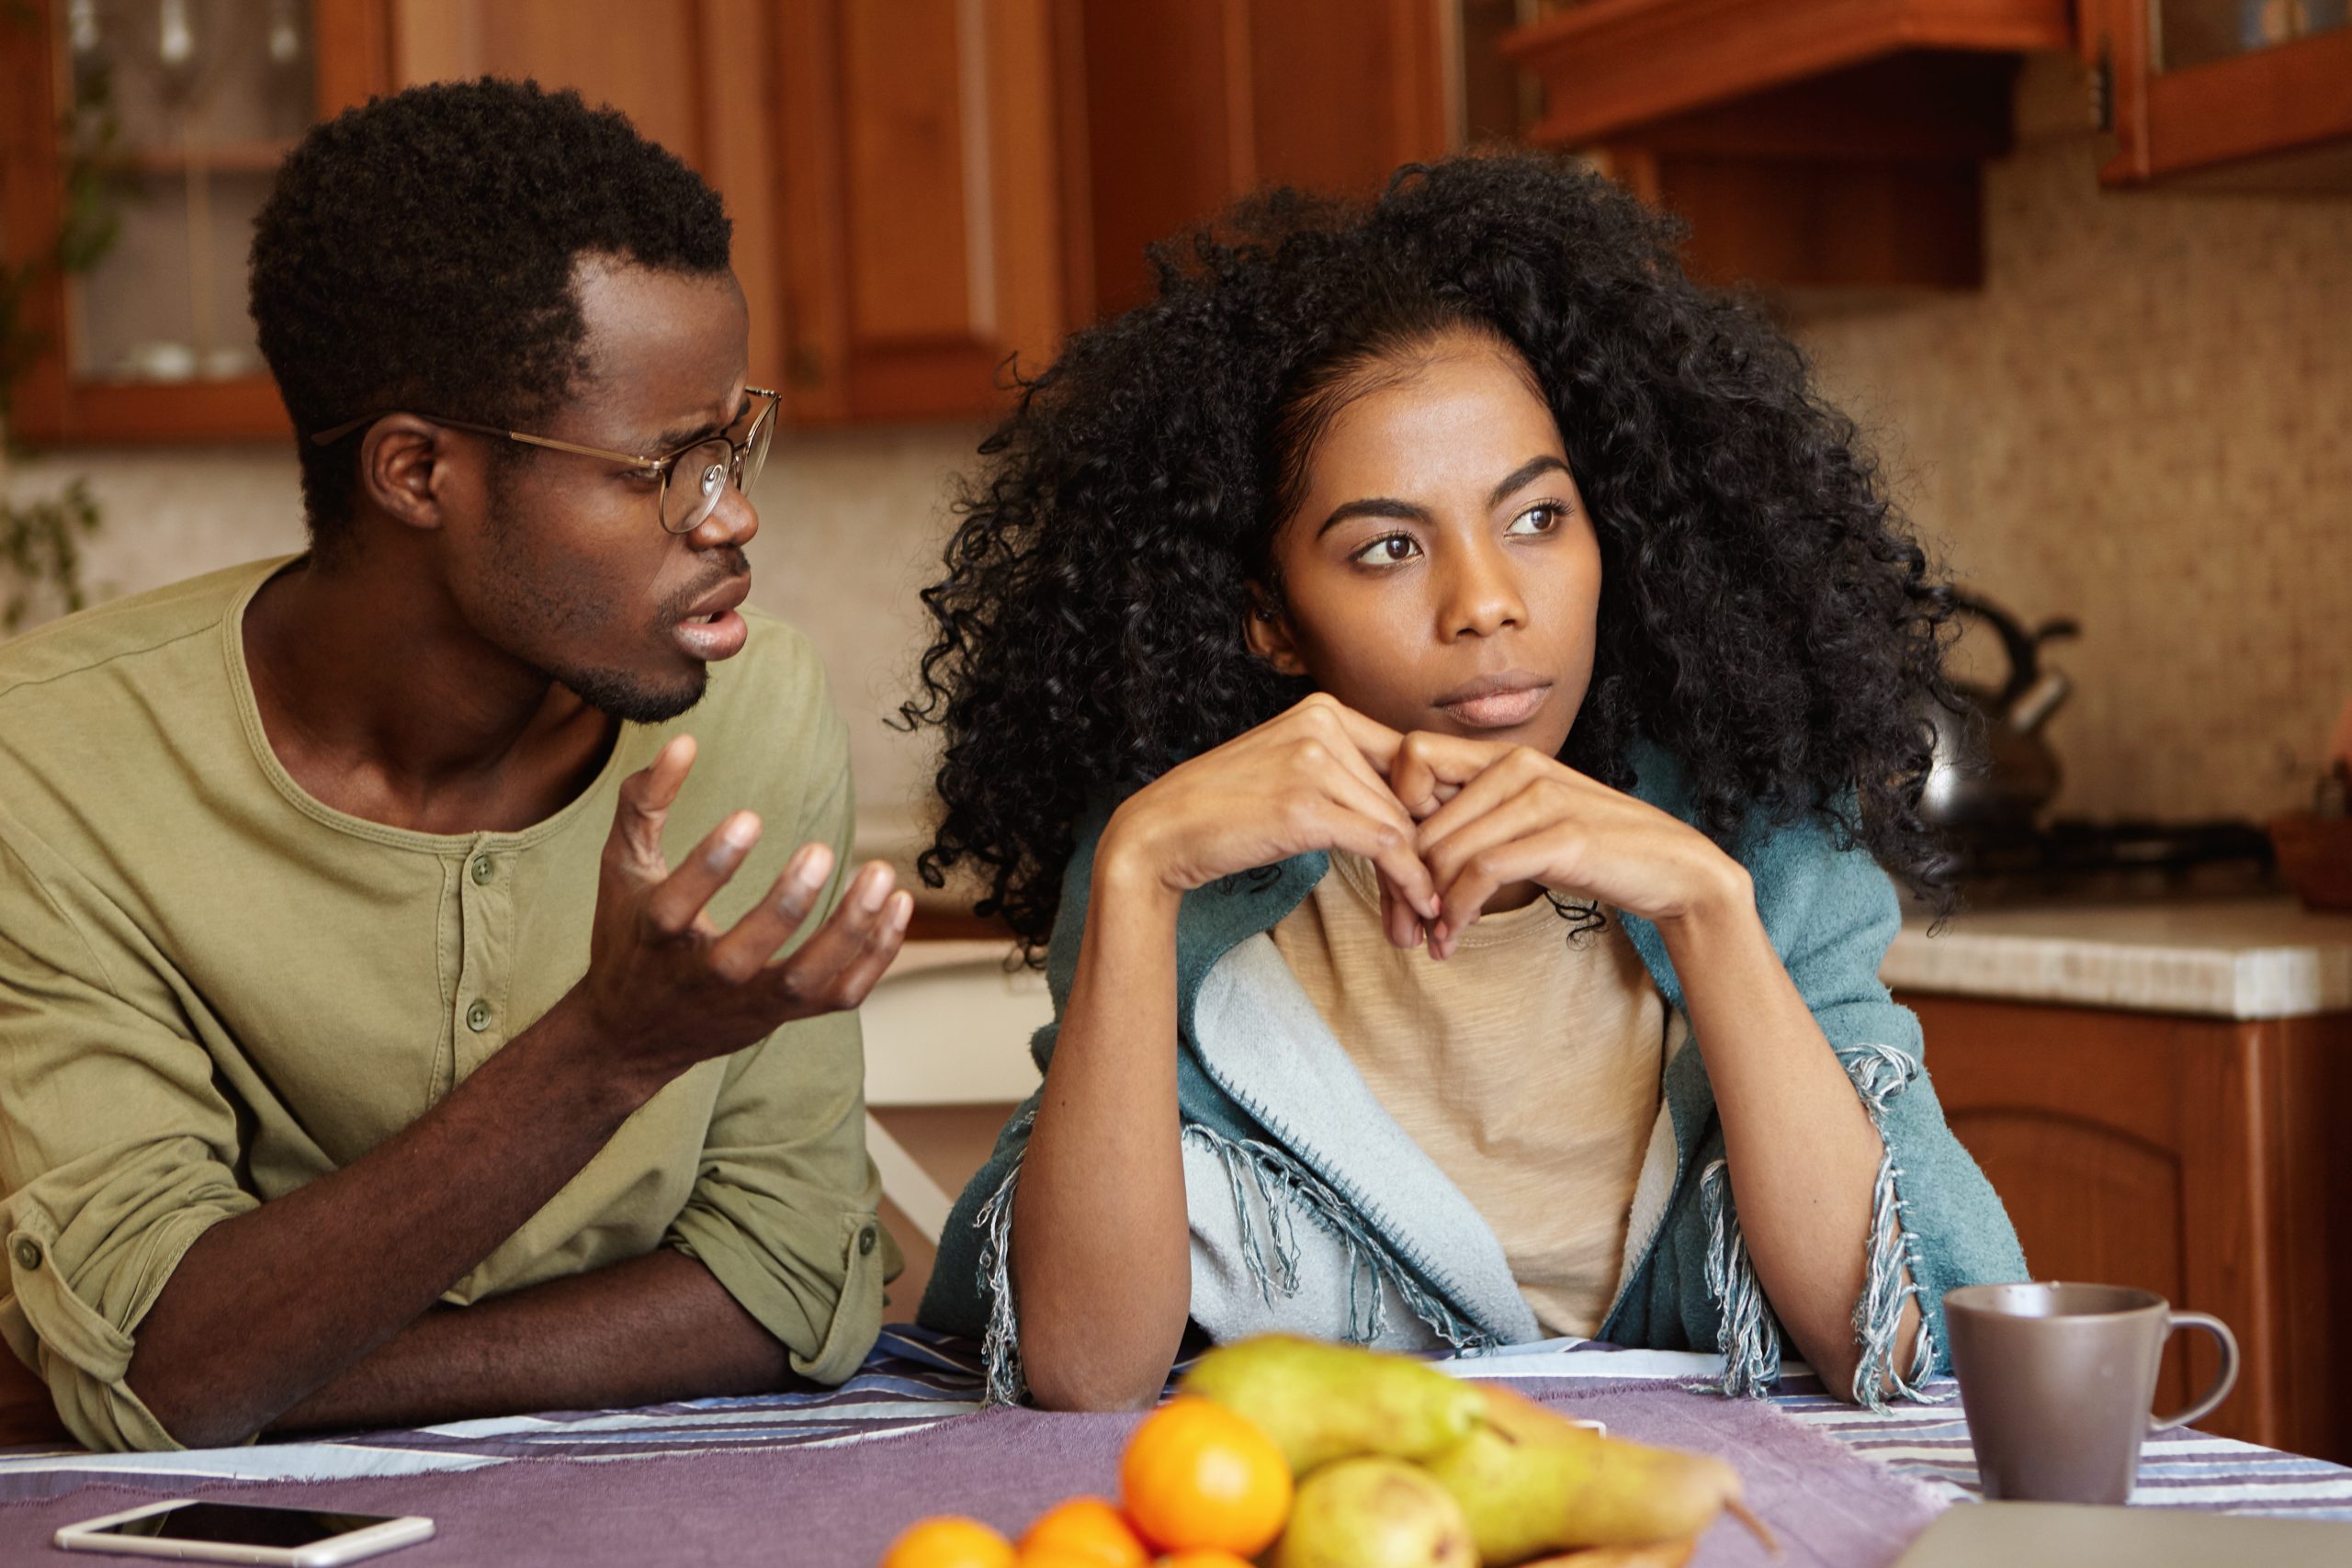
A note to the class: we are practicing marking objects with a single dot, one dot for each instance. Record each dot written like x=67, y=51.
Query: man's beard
x=633, y=700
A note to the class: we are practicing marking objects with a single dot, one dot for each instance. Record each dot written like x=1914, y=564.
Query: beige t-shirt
x=1526, y=1065
x=215, y=989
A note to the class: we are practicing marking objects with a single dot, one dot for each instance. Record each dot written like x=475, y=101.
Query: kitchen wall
x=2142, y=422
x=849, y=528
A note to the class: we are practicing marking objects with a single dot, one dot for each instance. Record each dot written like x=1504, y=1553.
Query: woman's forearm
x=1802, y=1155
x=1101, y=1258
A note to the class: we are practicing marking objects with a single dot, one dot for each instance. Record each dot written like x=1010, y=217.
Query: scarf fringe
x=1750, y=1338
x=1880, y=1073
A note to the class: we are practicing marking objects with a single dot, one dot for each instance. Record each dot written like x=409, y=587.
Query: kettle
x=1992, y=771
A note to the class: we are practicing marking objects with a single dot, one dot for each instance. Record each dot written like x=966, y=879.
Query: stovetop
x=2072, y=860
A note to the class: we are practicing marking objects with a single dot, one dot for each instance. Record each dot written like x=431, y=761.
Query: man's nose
x=733, y=522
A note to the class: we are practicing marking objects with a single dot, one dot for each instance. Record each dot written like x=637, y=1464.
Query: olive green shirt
x=215, y=989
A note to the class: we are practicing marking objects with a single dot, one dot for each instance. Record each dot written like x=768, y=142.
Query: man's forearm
x=269, y=1306
x=653, y=1328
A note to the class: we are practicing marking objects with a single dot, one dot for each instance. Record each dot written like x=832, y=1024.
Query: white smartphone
x=239, y=1532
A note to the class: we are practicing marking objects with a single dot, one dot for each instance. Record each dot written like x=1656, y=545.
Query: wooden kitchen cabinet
x=1808, y=143
x=2219, y=93
x=920, y=148
x=2203, y=1159
x=1188, y=104
x=155, y=345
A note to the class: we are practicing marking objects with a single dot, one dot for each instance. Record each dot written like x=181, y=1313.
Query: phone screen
x=237, y=1524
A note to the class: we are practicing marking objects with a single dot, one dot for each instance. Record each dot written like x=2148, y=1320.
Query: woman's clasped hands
x=1450, y=822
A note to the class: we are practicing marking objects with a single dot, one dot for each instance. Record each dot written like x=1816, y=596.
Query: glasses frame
x=657, y=467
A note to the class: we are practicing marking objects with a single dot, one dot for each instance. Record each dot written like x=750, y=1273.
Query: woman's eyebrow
x=1518, y=478
x=1372, y=506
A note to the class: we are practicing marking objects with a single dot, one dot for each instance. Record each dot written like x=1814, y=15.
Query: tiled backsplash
x=2141, y=422
x=2144, y=421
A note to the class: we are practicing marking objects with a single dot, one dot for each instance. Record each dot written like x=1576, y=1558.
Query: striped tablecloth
x=920, y=1387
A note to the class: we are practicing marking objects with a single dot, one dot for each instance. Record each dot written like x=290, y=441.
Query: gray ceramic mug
x=2056, y=1381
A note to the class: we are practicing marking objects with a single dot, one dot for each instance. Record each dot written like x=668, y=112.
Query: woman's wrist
x=1717, y=903
x=1129, y=875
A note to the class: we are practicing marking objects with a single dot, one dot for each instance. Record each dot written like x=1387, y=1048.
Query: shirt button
x=27, y=1255
x=864, y=1241
x=478, y=1017
x=481, y=869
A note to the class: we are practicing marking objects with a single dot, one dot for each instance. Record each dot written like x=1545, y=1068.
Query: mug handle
x=2227, y=1379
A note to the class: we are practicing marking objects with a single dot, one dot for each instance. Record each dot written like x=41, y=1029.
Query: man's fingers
x=744, y=952
x=645, y=797
x=852, y=985
x=853, y=932
x=671, y=909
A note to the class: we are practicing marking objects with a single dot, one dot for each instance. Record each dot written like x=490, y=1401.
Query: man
x=363, y=1059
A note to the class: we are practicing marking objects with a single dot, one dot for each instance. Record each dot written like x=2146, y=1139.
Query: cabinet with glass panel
x=173, y=113
x=2239, y=94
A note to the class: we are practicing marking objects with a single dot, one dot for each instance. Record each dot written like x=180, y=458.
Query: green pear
x=1321, y=1403
x=1374, y=1513
x=1531, y=1482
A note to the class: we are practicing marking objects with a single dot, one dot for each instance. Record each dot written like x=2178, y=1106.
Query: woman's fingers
x=1428, y=768
x=1483, y=874
x=1391, y=850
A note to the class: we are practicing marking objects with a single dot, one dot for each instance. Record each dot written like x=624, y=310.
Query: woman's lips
x=1499, y=710
x=719, y=636
x=1497, y=702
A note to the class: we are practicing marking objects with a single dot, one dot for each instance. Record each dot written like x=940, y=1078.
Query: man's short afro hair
x=417, y=253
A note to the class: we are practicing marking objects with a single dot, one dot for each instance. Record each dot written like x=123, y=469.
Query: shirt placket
x=486, y=926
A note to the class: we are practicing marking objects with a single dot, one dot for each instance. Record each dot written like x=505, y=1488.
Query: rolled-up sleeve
x=783, y=1207
x=114, y=1156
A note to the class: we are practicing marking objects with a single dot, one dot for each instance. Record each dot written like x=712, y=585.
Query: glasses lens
x=757, y=455
x=696, y=484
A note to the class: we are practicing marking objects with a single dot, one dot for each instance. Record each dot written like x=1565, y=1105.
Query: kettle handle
x=2022, y=647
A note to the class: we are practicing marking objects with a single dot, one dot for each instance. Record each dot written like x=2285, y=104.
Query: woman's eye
x=1388, y=550
x=1540, y=519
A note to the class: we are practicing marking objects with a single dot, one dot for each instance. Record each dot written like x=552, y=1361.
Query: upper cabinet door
x=921, y=174
x=1189, y=104
x=696, y=75
x=154, y=343
x=2246, y=94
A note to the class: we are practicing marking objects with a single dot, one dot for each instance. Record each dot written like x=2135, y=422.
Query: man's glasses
x=691, y=478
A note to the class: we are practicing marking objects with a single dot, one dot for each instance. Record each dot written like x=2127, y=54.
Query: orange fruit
x=949, y=1541
x=1083, y=1530
x=1206, y=1557
x=1197, y=1475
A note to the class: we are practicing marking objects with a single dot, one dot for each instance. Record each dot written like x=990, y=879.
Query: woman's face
x=1441, y=572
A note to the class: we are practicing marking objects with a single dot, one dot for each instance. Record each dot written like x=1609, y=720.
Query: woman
x=1402, y=579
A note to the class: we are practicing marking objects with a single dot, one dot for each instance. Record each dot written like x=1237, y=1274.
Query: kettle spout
x=2039, y=701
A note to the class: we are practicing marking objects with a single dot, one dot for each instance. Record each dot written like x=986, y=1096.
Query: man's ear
x=404, y=469
x=1268, y=634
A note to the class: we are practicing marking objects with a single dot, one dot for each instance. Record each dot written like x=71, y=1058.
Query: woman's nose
x=1482, y=596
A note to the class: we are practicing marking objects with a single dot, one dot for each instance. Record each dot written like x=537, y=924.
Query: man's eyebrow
x=1520, y=476
x=1372, y=506
x=686, y=435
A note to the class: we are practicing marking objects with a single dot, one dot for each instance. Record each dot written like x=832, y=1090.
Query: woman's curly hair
x=1764, y=616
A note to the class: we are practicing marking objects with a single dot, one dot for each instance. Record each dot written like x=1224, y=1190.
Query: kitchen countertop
x=2238, y=958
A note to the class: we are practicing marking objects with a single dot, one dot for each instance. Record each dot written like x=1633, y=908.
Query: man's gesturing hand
x=666, y=989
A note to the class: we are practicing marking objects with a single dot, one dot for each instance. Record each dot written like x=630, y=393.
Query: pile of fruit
x=1296, y=1454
